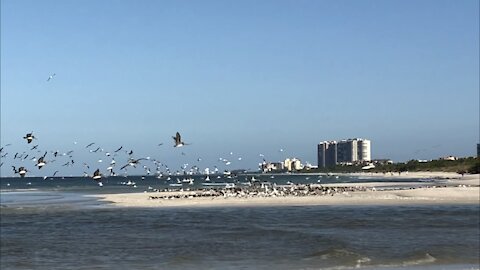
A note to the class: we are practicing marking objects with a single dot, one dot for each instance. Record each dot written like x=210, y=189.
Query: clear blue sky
x=246, y=77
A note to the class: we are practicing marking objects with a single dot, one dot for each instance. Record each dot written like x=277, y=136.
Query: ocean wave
x=422, y=260
x=417, y=261
x=335, y=256
x=342, y=259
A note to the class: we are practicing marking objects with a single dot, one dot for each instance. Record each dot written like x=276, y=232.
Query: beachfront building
x=293, y=164
x=347, y=152
x=266, y=167
x=288, y=164
x=449, y=158
x=327, y=154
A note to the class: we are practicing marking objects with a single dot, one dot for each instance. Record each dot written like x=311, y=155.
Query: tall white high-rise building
x=345, y=151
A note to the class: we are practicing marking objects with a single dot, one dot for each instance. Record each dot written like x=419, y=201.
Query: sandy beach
x=450, y=189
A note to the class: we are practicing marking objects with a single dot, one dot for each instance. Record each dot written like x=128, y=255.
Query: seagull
x=51, y=77
x=120, y=148
x=21, y=171
x=94, y=151
x=97, y=175
x=132, y=162
x=1, y=148
x=41, y=162
x=90, y=144
x=29, y=137
x=178, y=140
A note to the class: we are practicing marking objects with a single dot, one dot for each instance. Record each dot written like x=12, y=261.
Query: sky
x=241, y=77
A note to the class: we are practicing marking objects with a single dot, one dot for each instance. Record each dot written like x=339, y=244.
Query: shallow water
x=54, y=226
x=70, y=236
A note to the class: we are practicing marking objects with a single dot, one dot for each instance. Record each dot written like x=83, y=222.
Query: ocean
x=51, y=224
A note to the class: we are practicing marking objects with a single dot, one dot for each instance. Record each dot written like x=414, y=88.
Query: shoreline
x=448, y=190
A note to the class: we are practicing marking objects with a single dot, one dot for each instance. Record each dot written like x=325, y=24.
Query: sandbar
x=450, y=189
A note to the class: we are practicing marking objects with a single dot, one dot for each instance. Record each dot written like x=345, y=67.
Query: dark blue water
x=313, y=237
x=59, y=228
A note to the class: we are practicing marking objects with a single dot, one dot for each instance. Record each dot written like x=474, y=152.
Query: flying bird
x=21, y=171
x=132, y=162
x=120, y=148
x=97, y=175
x=29, y=137
x=178, y=140
x=95, y=151
x=41, y=162
x=51, y=77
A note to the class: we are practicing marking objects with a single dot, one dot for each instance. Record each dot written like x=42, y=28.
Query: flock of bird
x=40, y=161
x=42, y=158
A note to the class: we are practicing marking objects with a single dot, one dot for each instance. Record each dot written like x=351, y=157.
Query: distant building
x=449, y=158
x=382, y=161
x=292, y=164
x=271, y=167
x=351, y=151
x=309, y=166
x=327, y=154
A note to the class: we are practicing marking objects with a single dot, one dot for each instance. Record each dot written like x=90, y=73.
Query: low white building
x=293, y=164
